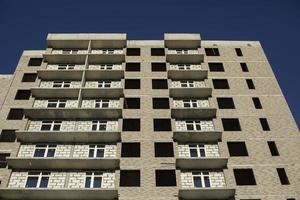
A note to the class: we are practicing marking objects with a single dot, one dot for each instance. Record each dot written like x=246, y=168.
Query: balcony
x=192, y=109
x=207, y=193
x=61, y=72
x=189, y=89
x=106, y=56
x=76, y=56
x=107, y=71
x=182, y=40
x=93, y=90
x=186, y=71
x=182, y=56
x=40, y=92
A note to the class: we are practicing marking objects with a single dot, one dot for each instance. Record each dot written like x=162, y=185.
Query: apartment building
x=97, y=116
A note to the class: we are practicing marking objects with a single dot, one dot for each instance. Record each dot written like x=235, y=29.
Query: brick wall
x=49, y=84
x=90, y=103
x=216, y=179
x=211, y=150
x=55, y=67
x=42, y=103
x=201, y=103
x=205, y=125
x=94, y=84
x=97, y=67
x=177, y=84
x=193, y=67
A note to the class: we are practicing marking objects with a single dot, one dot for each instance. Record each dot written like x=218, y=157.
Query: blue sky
x=275, y=23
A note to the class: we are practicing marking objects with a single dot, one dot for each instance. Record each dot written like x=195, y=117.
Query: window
x=66, y=67
x=133, y=67
x=184, y=66
x=131, y=125
x=201, y=179
x=216, y=67
x=23, y=95
x=225, y=103
x=70, y=51
x=8, y=136
x=197, y=150
x=133, y=51
x=3, y=161
x=264, y=124
x=237, y=149
x=165, y=178
x=212, y=52
x=250, y=84
x=100, y=125
x=162, y=124
x=157, y=51
x=101, y=103
x=193, y=125
x=15, y=114
x=160, y=103
x=106, y=66
x=61, y=84
x=96, y=150
x=44, y=150
x=130, y=149
x=51, y=125
x=29, y=77
x=284, y=180
x=238, y=52
x=190, y=103
x=130, y=178
x=244, y=177
x=104, y=84
x=273, y=148
x=37, y=180
x=56, y=103
x=244, y=67
x=159, y=84
x=164, y=149
x=108, y=51
x=131, y=103
x=132, y=83
x=231, y=124
x=256, y=103
x=187, y=84
x=93, y=180
x=158, y=67
x=220, y=84
x=35, y=62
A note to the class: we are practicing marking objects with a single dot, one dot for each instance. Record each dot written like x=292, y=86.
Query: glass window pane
x=31, y=182
x=97, y=182
x=39, y=153
x=197, y=182
x=193, y=153
x=91, y=153
x=44, y=182
x=100, y=153
x=46, y=127
x=206, y=181
x=51, y=153
x=88, y=182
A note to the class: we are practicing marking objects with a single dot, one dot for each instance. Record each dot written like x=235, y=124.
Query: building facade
x=97, y=116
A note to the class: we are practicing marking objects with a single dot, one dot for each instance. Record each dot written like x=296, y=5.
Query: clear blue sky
x=275, y=23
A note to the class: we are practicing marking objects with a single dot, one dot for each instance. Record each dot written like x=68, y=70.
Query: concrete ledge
x=197, y=136
x=65, y=58
x=202, y=163
x=55, y=92
x=187, y=74
x=193, y=113
x=185, y=58
x=102, y=92
x=190, y=92
x=60, y=74
x=182, y=40
x=206, y=193
x=106, y=58
x=104, y=74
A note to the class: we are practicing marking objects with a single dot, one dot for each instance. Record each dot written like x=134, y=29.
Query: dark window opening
x=264, y=124
x=164, y=149
x=256, y=103
x=15, y=114
x=273, y=148
x=225, y=103
x=244, y=67
x=237, y=149
x=8, y=136
x=244, y=177
x=158, y=67
x=231, y=124
x=3, y=161
x=133, y=52
x=284, y=180
x=29, y=77
x=130, y=178
x=131, y=149
x=165, y=178
x=35, y=62
x=212, y=52
x=159, y=84
x=131, y=125
x=160, y=103
x=23, y=95
x=157, y=51
x=216, y=67
x=220, y=84
x=131, y=103
x=133, y=67
x=238, y=52
x=250, y=84
x=162, y=124
x=132, y=83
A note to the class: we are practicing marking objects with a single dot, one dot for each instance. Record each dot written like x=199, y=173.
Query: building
x=97, y=116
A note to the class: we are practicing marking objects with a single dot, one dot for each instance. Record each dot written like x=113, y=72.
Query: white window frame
x=198, y=148
x=58, y=103
x=187, y=84
x=47, y=147
x=96, y=147
x=106, y=67
x=52, y=124
x=39, y=175
x=194, y=124
x=192, y=103
x=70, y=51
x=98, y=124
x=62, y=84
x=201, y=175
x=104, y=84
x=102, y=103
x=108, y=51
x=93, y=175
x=184, y=66
x=66, y=67
x=182, y=51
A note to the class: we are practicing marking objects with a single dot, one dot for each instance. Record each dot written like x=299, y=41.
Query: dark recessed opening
x=250, y=84
x=133, y=67
x=131, y=125
x=220, y=84
x=231, y=124
x=29, y=77
x=216, y=67
x=23, y=95
x=244, y=67
x=244, y=177
x=131, y=103
x=160, y=103
x=284, y=180
x=238, y=52
x=165, y=178
x=3, y=161
x=131, y=149
x=130, y=178
x=162, y=124
x=158, y=67
x=157, y=51
x=133, y=52
x=132, y=83
x=15, y=114
x=212, y=52
x=8, y=136
x=273, y=148
x=225, y=103
x=35, y=62
x=159, y=84
x=264, y=124
x=256, y=103
x=237, y=149
x=164, y=149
